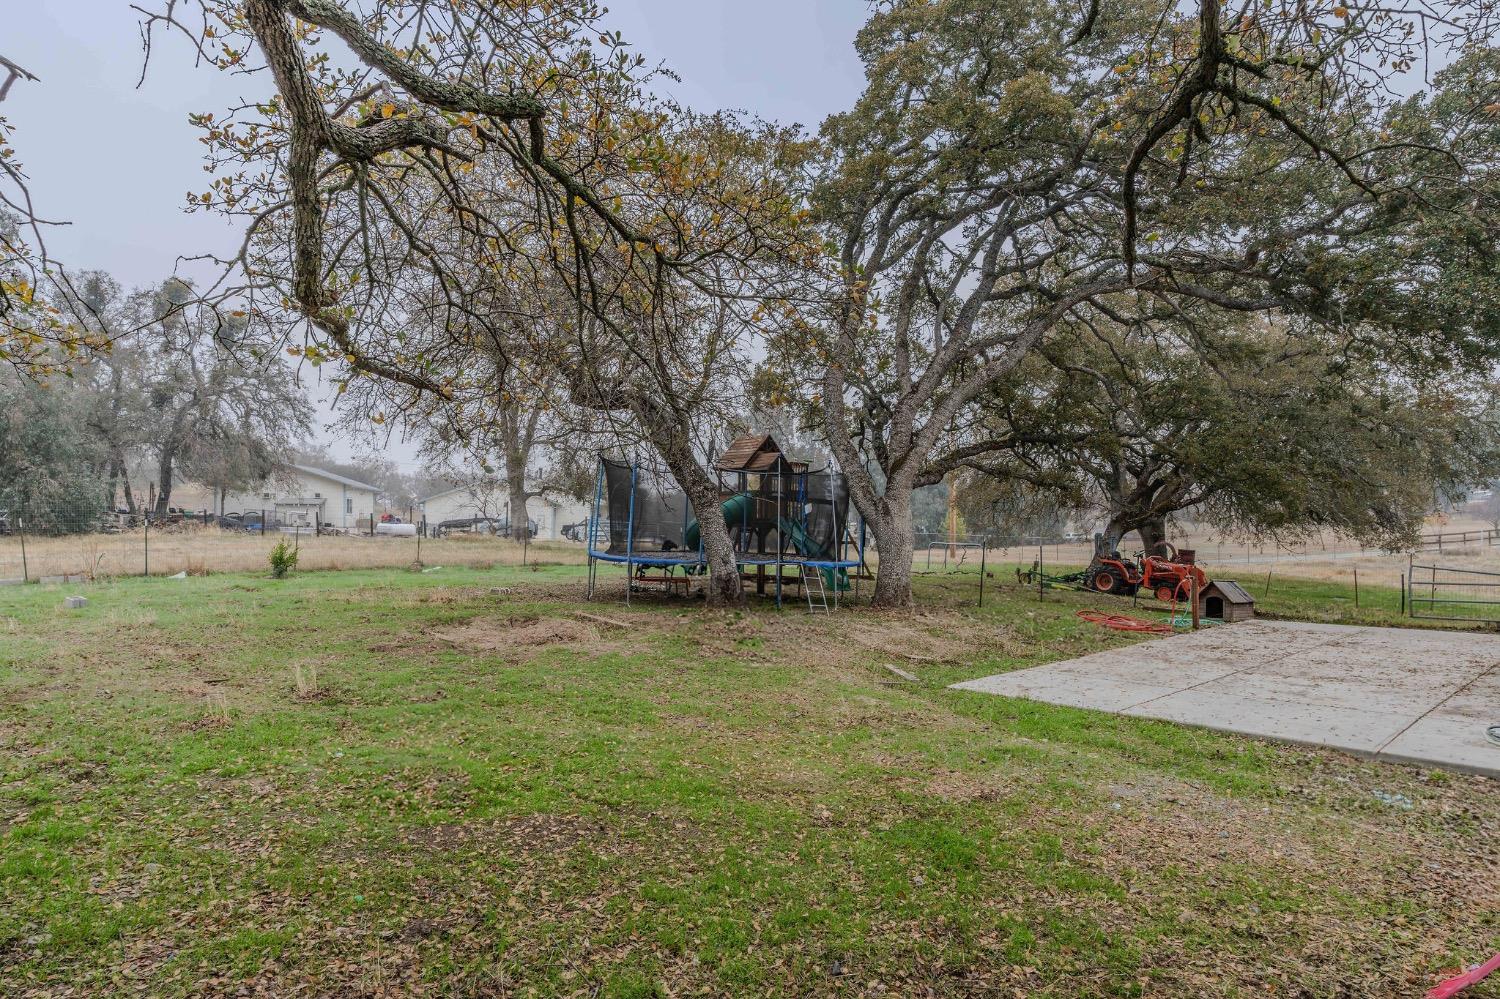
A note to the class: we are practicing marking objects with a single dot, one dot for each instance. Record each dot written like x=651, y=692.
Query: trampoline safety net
x=813, y=510
x=661, y=515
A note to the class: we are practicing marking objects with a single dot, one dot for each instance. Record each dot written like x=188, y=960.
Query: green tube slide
x=734, y=508
x=739, y=509
x=808, y=548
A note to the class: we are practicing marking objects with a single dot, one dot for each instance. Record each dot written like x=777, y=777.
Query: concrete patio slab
x=1354, y=729
x=1445, y=739
x=1101, y=693
x=1404, y=695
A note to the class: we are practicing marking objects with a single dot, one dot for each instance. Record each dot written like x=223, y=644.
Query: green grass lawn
x=382, y=783
x=1294, y=599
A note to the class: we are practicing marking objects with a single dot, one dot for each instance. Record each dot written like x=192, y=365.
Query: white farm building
x=487, y=499
x=301, y=496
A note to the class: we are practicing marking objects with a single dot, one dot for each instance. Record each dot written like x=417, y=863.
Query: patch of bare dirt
x=520, y=637
x=863, y=638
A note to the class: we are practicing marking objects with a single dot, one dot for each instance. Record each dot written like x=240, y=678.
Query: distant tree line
x=171, y=399
x=1143, y=258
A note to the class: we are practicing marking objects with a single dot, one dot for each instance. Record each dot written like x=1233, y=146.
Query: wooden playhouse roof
x=755, y=453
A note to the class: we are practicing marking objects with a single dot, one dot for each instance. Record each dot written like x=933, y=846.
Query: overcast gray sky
x=116, y=161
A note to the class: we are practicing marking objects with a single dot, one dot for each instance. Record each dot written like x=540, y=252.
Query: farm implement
x=1166, y=576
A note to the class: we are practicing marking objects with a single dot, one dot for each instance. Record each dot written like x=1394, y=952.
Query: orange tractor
x=1166, y=575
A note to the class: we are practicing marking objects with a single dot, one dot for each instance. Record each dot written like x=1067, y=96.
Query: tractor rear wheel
x=1106, y=581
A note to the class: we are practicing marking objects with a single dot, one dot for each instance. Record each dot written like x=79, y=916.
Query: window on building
x=348, y=505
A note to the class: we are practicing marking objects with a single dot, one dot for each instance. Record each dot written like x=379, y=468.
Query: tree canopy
x=1258, y=429
x=484, y=216
x=1009, y=169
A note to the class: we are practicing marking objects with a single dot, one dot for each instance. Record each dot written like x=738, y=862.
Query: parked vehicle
x=252, y=522
x=498, y=526
x=1168, y=576
x=580, y=532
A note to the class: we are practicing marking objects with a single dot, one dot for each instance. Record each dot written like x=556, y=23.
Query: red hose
x=1121, y=622
x=1473, y=976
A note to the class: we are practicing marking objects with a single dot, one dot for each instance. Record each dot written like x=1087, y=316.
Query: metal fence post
x=146, y=549
x=983, y=550
x=21, y=527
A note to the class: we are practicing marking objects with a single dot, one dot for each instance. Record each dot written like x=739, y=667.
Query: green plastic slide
x=808, y=548
x=738, y=508
x=734, y=508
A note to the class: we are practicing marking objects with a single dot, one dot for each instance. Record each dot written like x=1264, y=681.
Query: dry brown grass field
x=1325, y=558
x=201, y=550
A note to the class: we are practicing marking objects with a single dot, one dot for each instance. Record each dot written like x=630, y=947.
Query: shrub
x=283, y=559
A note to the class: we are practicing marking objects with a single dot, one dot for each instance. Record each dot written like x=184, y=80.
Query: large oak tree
x=1260, y=430
x=1011, y=167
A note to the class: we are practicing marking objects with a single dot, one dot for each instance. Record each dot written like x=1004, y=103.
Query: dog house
x=1225, y=600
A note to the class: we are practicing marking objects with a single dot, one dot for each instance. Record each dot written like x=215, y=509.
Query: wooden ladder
x=812, y=579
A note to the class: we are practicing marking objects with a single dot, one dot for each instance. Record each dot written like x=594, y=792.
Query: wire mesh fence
x=52, y=545
x=1342, y=573
x=64, y=544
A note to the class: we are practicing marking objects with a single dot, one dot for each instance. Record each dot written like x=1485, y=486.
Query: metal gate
x=1445, y=593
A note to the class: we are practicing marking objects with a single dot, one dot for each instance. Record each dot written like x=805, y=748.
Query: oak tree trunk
x=164, y=481
x=520, y=524
x=1115, y=530
x=894, y=540
x=668, y=432
x=114, y=485
x=723, y=588
x=129, y=493
x=1153, y=531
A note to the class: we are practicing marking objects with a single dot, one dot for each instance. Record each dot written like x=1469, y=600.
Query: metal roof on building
x=336, y=477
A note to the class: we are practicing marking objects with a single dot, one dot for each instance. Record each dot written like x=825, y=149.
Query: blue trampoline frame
x=630, y=559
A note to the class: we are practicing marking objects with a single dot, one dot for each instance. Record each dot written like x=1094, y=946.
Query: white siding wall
x=301, y=496
x=555, y=515
x=462, y=504
x=551, y=515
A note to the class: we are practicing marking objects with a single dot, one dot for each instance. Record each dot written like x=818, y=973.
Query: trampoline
x=782, y=516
